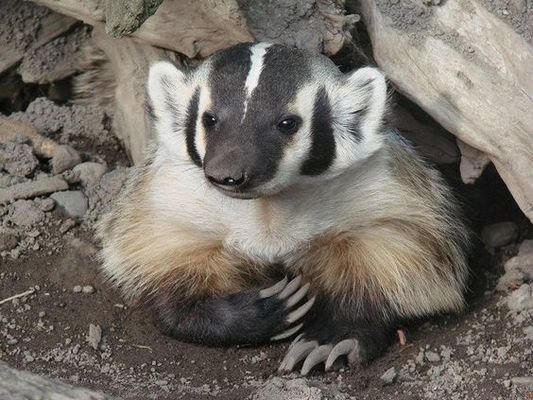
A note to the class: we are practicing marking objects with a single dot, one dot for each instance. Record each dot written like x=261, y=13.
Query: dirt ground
x=474, y=355
x=72, y=326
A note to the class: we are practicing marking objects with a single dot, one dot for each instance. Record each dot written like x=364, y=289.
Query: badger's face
x=260, y=118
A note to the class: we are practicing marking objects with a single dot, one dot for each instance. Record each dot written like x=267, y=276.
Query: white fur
x=366, y=87
x=256, y=66
x=182, y=197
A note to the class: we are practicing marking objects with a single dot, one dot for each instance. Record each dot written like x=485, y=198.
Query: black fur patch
x=253, y=144
x=329, y=324
x=322, y=151
x=190, y=128
x=240, y=318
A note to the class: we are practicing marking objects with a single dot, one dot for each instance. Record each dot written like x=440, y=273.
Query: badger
x=278, y=201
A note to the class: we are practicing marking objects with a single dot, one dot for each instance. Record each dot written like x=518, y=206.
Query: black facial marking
x=252, y=144
x=322, y=151
x=230, y=68
x=190, y=128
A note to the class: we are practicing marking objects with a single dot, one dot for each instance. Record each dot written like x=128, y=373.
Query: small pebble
x=88, y=289
x=77, y=289
x=389, y=376
x=432, y=356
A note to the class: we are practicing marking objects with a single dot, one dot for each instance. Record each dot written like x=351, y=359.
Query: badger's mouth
x=243, y=194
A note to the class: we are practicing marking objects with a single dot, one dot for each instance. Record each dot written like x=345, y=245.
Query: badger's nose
x=227, y=180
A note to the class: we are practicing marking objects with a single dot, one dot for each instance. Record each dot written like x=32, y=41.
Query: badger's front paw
x=330, y=335
x=312, y=354
x=283, y=301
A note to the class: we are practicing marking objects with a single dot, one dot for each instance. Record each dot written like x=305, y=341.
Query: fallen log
x=129, y=62
x=470, y=71
x=20, y=385
x=191, y=27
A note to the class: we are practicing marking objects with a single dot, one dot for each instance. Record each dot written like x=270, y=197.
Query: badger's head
x=260, y=118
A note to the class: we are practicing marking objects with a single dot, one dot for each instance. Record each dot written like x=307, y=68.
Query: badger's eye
x=209, y=120
x=289, y=125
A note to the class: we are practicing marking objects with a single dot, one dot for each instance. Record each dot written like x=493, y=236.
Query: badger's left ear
x=361, y=103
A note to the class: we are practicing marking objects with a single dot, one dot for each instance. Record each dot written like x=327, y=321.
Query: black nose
x=232, y=181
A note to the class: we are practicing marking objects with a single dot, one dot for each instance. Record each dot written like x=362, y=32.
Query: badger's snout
x=226, y=174
x=232, y=171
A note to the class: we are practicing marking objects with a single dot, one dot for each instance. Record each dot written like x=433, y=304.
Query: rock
x=473, y=162
x=526, y=248
x=16, y=385
x=77, y=289
x=500, y=234
x=297, y=389
x=73, y=203
x=432, y=356
x=64, y=158
x=67, y=225
x=88, y=289
x=389, y=376
x=521, y=299
x=28, y=190
x=89, y=173
x=17, y=159
x=46, y=204
x=518, y=270
x=8, y=240
x=95, y=336
x=526, y=381
x=24, y=213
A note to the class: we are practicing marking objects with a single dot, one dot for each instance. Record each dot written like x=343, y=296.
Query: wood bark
x=20, y=385
x=482, y=92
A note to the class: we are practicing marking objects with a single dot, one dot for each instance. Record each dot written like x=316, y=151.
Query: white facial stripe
x=256, y=66
x=203, y=105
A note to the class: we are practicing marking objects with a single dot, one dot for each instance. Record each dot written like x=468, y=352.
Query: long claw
x=300, y=311
x=354, y=356
x=345, y=347
x=296, y=354
x=291, y=287
x=295, y=340
x=274, y=289
x=299, y=295
x=287, y=333
x=318, y=355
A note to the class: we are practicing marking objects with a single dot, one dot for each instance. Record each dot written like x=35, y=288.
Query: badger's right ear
x=166, y=89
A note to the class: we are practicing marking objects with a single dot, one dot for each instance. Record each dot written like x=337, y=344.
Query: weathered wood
x=191, y=27
x=129, y=62
x=20, y=385
x=470, y=71
x=42, y=145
